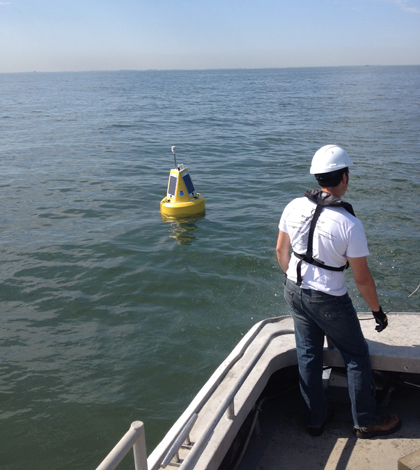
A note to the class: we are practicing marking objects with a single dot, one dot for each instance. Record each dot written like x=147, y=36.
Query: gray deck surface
x=288, y=446
x=283, y=442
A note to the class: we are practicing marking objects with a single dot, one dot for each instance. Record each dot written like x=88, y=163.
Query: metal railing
x=183, y=440
x=228, y=403
x=155, y=459
x=135, y=436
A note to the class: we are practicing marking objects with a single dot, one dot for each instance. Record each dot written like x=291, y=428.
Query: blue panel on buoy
x=172, y=186
x=189, y=184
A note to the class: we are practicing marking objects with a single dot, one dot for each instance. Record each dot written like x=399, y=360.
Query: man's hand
x=381, y=319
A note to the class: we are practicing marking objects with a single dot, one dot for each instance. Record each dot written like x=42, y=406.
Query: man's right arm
x=364, y=282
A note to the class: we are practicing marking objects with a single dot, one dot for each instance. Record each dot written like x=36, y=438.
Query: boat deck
x=263, y=365
x=282, y=441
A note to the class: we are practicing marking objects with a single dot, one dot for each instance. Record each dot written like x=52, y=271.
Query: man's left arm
x=283, y=250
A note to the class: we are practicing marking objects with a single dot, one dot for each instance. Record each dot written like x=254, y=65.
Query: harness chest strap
x=322, y=200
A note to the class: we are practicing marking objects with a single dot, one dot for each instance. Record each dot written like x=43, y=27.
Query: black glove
x=381, y=319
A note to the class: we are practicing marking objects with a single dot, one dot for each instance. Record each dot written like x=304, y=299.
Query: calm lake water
x=109, y=314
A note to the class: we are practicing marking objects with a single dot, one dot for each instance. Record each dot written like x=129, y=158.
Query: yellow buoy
x=182, y=200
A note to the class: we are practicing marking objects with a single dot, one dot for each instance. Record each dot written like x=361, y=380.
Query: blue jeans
x=315, y=314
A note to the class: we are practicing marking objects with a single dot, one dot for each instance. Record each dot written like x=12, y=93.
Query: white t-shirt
x=337, y=235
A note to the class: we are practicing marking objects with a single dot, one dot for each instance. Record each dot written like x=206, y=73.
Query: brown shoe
x=388, y=424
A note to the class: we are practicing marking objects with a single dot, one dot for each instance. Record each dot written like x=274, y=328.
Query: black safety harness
x=322, y=200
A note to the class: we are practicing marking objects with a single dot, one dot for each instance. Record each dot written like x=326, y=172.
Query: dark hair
x=332, y=179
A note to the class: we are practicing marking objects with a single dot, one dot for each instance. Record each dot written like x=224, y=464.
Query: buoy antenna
x=173, y=151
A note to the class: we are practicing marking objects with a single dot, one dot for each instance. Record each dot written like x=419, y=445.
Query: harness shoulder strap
x=309, y=250
x=308, y=256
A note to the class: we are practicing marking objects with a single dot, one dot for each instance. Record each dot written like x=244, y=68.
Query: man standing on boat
x=326, y=237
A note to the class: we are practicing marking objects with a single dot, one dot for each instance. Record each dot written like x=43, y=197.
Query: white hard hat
x=330, y=158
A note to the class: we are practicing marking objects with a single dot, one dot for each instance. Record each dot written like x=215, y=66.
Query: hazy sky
x=73, y=35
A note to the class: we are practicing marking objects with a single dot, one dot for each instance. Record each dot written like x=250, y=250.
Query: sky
x=87, y=35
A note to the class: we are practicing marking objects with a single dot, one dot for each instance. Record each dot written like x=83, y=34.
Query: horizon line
x=208, y=69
